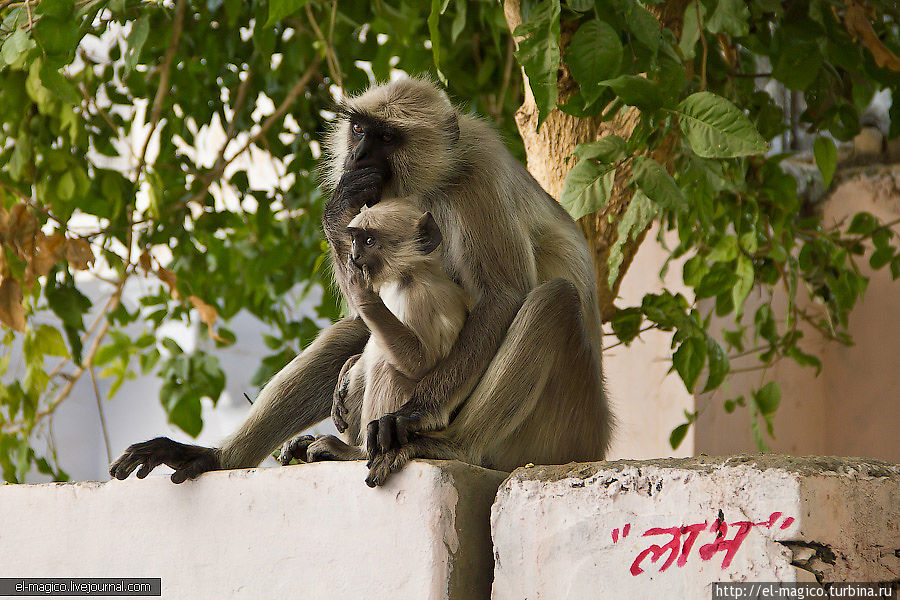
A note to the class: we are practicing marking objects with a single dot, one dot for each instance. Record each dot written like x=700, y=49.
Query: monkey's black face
x=371, y=145
x=365, y=250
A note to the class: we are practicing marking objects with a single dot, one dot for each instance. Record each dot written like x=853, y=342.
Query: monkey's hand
x=187, y=460
x=392, y=431
x=360, y=187
x=360, y=286
x=295, y=448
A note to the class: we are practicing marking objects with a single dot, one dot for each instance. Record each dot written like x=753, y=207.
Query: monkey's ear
x=429, y=234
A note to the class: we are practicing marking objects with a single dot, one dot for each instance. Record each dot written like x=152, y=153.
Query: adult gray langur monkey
x=523, y=382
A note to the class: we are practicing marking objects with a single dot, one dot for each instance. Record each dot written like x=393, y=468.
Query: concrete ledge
x=669, y=528
x=305, y=531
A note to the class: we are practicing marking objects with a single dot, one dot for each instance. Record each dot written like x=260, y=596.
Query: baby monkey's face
x=367, y=249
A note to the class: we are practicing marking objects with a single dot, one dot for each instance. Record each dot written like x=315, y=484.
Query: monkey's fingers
x=295, y=448
x=387, y=433
x=406, y=426
x=371, y=442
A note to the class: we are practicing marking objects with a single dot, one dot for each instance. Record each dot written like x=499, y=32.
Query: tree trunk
x=548, y=148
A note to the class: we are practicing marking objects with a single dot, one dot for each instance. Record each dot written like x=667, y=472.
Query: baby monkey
x=414, y=312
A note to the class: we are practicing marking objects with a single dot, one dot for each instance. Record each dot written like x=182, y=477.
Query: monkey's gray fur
x=399, y=288
x=523, y=382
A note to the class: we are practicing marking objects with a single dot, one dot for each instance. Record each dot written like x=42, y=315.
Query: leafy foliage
x=739, y=217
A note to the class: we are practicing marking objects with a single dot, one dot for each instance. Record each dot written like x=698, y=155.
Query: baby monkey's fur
x=414, y=310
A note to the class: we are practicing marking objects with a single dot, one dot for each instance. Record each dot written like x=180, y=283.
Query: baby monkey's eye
x=357, y=128
x=387, y=136
x=370, y=241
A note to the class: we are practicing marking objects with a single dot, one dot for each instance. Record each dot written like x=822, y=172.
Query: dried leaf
x=145, y=262
x=49, y=251
x=79, y=253
x=208, y=315
x=858, y=25
x=12, y=313
x=21, y=228
x=168, y=277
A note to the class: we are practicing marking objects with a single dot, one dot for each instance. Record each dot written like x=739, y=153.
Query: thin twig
x=100, y=412
x=330, y=57
x=507, y=77
x=705, y=48
x=163, y=90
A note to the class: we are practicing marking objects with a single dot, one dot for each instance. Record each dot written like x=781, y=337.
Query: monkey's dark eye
x=387, y=136
x=370, y=241
x=357, y=128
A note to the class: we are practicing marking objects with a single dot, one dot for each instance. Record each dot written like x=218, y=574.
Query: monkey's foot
x=295, y=448
x=188, y=461
x=381, y=467
x=392, y=431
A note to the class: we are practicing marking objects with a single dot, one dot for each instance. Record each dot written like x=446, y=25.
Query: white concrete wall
x=653, y=529
x=305, y=531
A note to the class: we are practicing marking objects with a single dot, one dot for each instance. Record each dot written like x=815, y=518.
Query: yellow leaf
x=79, y=253
x=49, y=251
x=145, y=262
x=168, y=277
x=12, y=313
x=208, y=315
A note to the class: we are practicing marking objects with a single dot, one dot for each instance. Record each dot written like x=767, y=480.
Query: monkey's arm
x=297, y=397
x=355, y=189
x=407, y=354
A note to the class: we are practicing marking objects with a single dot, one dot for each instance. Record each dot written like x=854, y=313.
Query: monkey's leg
x=541, y=399
x=346, y=403
x=296, y=398
x=314, y=449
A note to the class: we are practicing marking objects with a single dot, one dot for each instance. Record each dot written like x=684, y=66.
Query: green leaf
x=724, y=251
x=14, y=46
x=587, y=188
x=57, y=83
x=826, y=158
x=136, y=40
x=640, y=212
x=643, y=26
x=580, y=5
x=635, y=90
x=768, y=398
x=187, y=414
x=48, y=341
x=437, y=7
x=58, y=37
x=730, y=17
x=716, y=128
x=279, y=9
x=746, y=277
x=690, y=32
x=459, y=21
x=798, y=65
x=608, y=149
x=689, y=360
x=626, y=324
x=677, y=435
x=657, y=184
x=538, y=54
x=719, y=280
x=718, y=365
x=594, y=55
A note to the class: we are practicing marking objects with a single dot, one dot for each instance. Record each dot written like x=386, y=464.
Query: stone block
x=669, y=528
x=304, y=531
